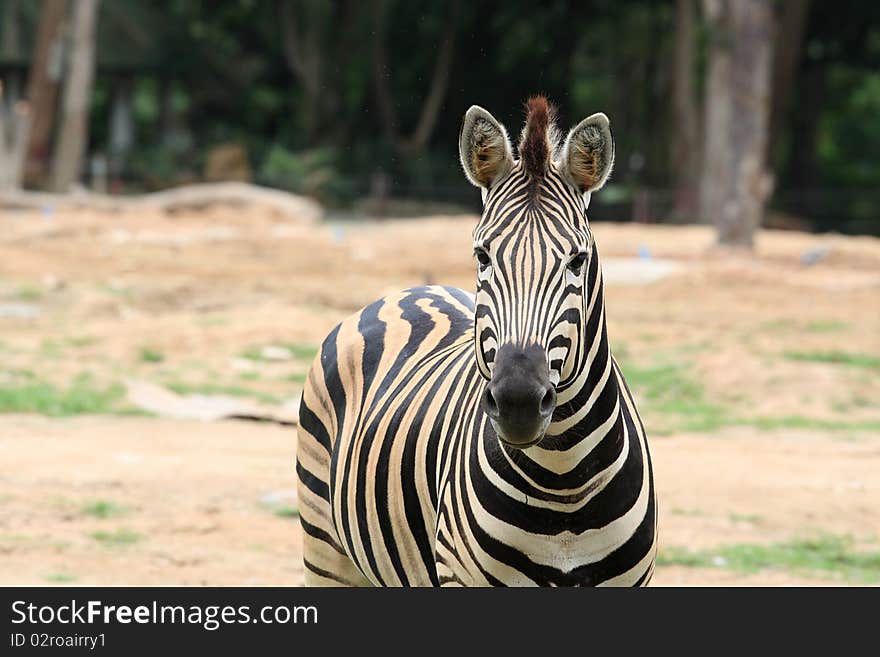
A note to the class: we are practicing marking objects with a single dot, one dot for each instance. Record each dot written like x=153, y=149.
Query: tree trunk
x=73, y=138
x=304, y=55
x=735, y=182
x=14, y=128
x=787, y=48
x=45, y=74
x=684, y=152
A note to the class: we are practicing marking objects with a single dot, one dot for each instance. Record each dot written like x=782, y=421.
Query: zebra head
x=534, y=251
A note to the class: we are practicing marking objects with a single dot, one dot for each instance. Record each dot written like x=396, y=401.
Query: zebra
x=450, y=439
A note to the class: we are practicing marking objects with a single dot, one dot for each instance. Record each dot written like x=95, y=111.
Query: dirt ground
x=232, y=302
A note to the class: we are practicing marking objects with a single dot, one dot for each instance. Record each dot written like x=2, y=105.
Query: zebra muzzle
x=520, y=399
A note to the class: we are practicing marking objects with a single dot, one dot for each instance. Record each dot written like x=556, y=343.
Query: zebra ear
x=588, y=154
x=484, y=148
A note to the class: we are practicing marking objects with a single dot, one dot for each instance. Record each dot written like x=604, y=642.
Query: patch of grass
x=677, y=556
x=61, y=578
x=836, y=357
x=51, y=349
x=286, y=512
x=216, y=389
x=150, y=355
x=249, y=376
x=692, y=513
x=212, y=321
x=298, y=350
x=826, y=554
x=800, y=422
x=302, y=350
x=751, y=518
x=669, y=390
x=253, y=353
x=29, y=293
x=118, y=538
x=103, y=509
x=296, y=377
x=83, y=395
x=826, y=326
x=777, y=325
x=22, y=374
x=81, y=341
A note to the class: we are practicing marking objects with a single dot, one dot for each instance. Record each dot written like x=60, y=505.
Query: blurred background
x=192, y=194
x=344, y=101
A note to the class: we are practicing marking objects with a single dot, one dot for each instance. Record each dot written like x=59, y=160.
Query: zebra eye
x=577, y=262
x=482, y=257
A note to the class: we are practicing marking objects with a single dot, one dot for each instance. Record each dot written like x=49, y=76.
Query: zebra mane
x=539, y=138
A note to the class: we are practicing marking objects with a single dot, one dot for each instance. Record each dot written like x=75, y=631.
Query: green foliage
x=813, y=424
x=313, y=172
x=103, y=509
x=183, y=388
x=30, y=293
x=83, y=395
x=824, y=555
x=117, y=538
x=301, y=351
x=827, y=326
x=286, y=512
x=296, y=377
x=836, y=357
x=61, y=578
x=671, y=399
x=674, y=398
x=81, y=341
x=149, y=355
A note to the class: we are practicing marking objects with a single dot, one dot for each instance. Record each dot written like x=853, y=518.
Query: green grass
x=674, y=398
x=751, y=518
x=212, y=321
x=302, y=351
x=81, y=341
x=29, y=293
x=691, y=513
x=826, y=326
x=61, y=578
x=777, y=325
x=296, y=377
x=150, y=355
x=836, y=357
x=825, y=555
x=51, y=349
x=286, y=512
x=182, y=388
x=249, y=376
x=118, y=538
x=83, y=395
x=103, y=509
x=800, y=422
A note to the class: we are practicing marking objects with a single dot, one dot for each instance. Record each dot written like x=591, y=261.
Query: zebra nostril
x=490, y=405
x=548, y=402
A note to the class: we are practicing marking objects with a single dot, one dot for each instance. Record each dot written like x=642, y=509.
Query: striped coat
x=404, y=476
